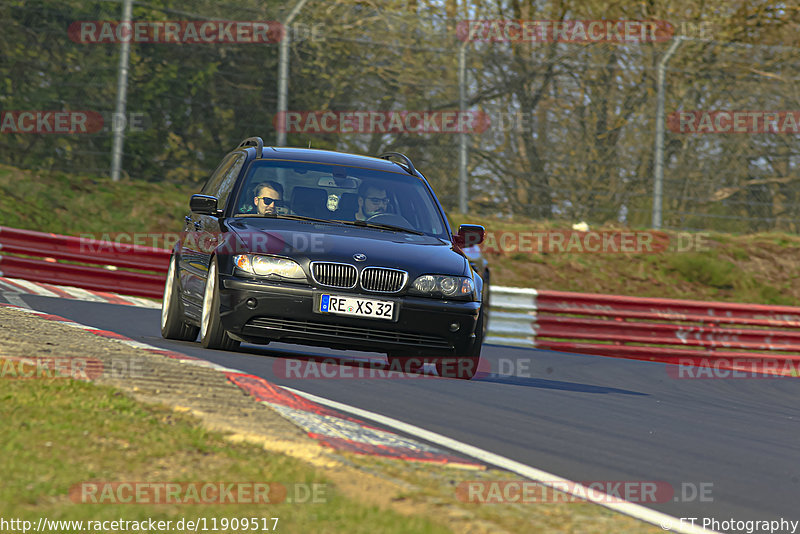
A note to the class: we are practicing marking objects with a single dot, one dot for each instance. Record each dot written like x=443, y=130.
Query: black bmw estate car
x=325, y=248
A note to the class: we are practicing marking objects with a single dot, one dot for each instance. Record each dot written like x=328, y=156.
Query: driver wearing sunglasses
x=268, y=197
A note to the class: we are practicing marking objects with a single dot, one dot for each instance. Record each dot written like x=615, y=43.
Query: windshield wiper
x=383, y=226
x=285, y=216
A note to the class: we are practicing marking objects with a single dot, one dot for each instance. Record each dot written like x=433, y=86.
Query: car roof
x=328, y=156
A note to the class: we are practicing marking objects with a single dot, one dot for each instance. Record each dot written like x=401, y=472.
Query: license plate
x=374, y=309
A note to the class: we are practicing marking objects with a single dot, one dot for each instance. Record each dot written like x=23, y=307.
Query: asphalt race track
x=581, y=417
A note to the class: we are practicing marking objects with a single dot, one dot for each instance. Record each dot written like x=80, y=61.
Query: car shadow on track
x=374, y=364
x=554, y=384
x=380, y=369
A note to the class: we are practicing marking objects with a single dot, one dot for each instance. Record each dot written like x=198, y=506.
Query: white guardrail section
x=512, y=316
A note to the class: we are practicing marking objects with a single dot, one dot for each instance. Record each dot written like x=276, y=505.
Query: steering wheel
x=390, y=218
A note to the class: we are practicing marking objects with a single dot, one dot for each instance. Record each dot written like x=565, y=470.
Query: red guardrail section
x=708, y=336
x=565, y=302
x=728, y=335
x=85, y=251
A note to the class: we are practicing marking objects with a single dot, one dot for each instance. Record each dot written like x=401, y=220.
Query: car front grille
x=383, y=280
x=334, y=274
x=299, y=329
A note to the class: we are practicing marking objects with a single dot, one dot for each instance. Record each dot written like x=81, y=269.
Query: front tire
x=173, y=324
x=212, y=335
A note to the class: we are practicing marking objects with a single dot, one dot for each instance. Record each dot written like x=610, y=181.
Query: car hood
x=307, y=241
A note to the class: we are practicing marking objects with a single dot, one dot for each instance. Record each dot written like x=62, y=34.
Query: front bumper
x=286, y=312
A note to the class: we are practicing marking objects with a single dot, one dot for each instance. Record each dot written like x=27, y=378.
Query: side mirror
x=469, y=234
x=203, y=205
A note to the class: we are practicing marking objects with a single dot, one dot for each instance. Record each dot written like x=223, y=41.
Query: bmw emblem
x=360, y=257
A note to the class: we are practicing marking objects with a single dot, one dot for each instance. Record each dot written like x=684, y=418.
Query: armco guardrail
x=642, y=328
x=91, y=261
x=630, y=327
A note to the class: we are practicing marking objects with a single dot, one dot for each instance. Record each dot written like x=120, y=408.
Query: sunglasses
x=270, y=200
x=377, y=200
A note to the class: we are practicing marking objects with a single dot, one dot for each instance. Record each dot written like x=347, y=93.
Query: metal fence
x=559, y=130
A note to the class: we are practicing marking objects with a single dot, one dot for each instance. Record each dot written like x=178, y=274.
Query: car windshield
x=350, y=195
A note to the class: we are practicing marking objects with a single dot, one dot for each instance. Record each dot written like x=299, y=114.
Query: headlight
x=448, y=285
x=242, y=262
x=424, y=284
x=435, y=285
x=271, y=266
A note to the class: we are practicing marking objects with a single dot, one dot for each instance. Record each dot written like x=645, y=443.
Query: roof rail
x=410, y=169
x=254, y=141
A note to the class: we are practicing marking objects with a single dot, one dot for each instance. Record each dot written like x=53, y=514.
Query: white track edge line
x=637, y=511
x=7, y=285
x=79, y=293
x=15, y=299
x=76, y=293
x=35, y=288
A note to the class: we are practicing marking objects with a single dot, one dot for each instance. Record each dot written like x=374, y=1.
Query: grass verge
x=60, y=433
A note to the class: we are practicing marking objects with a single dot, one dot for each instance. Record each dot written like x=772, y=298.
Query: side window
x=229, y=179
x=212, y=185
